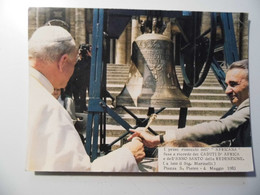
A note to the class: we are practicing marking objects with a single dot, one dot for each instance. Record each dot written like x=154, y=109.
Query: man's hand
x=148, y=139
x=137, y=148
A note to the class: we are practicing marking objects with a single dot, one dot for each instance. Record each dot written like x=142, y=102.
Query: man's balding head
x=237, y=82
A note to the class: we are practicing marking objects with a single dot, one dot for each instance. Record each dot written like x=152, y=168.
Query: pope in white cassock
x=53, y=142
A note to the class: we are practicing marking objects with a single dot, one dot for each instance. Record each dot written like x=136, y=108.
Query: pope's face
x=237, y=85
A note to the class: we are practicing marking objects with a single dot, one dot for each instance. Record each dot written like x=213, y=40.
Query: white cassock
x=54, y=143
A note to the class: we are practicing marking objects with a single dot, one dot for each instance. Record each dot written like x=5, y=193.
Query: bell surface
x=153, y=81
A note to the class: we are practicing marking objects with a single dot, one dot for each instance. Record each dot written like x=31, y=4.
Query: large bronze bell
x=153, y=81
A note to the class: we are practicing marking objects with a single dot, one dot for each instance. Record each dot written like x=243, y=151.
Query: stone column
x=135, y=32
x=112, y=51
x=43, y=15
x=71, y=21
x=244, y=37
x=37, y=17
x=32, y=21
x=89, y=25
x=168, y=31
x=205, y=22
x=128, y=43
x=80, y=30
x=135, y=29
x=121, y=49
x=236, y=22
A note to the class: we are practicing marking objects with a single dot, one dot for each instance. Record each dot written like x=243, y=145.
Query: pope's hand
x=137, y=148
x=148, y=139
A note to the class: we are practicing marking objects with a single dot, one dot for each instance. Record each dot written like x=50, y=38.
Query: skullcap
x=51, y=34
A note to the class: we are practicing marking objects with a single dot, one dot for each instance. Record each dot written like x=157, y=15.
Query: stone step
x=208, y=96
x=121, y=76
x=198, y=96
x=211, y=103
x=111, y=67
x=125, y=73
x=164, y=120
x=195, y=96
x=124, y=66
x=116, y=131
x=118, y=79
x=199, y=101
x=193, y=111
x=124, y=70
x=116, y=88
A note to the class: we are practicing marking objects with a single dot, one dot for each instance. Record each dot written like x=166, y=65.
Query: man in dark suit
x=231, y=131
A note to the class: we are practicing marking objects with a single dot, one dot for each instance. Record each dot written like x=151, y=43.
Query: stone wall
x=79, y=21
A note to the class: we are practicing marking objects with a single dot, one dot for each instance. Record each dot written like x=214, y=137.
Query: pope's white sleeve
x=120, y=160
